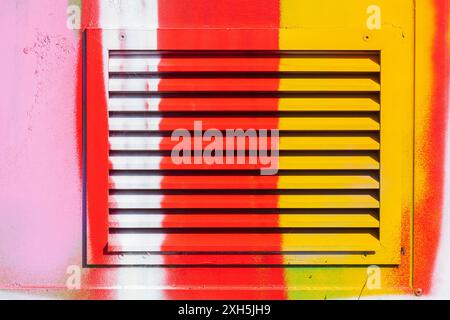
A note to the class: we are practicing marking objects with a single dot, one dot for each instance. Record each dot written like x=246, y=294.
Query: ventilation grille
x=325, y=196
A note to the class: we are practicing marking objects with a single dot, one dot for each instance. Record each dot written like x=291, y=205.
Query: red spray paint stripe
x=89, y=13
x=217, y=14
x=89, y=19
x=226, y=104
x=97, y=162
x=97, y=201
x=197, y=182
x=429, y=213
x=220, y=123
x=97, y=154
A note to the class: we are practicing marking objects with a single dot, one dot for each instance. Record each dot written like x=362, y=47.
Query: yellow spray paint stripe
x=331, y=84
x=329, y=181
x=330, y=123
x=329, y=220
x=329, y=162
x=329, y=143
x=330, y=63
x=329, y=242
x=333, y=103
x=424, y=87
x=327, y=201
x=341, y=26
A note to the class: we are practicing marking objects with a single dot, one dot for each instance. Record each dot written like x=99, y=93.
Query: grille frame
x=389, y=256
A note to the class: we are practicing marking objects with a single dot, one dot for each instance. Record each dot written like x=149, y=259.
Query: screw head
x=366, y=37
x=418, y=292
x=122, y=36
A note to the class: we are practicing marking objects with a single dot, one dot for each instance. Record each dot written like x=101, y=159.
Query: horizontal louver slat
x=243, y=201
x=305, y=123
x=329, y=161
x=316, y=103
x=299, y=84
x=243, y=242
x=243, y=63
x=310, y=142
x=245, y=182
x=240, y=220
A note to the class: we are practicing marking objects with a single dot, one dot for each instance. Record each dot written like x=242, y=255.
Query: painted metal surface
x=41, y=177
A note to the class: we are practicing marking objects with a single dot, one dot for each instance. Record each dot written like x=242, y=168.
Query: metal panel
x=327, y=105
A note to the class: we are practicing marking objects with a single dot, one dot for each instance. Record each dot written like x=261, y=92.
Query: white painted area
x=129, y=14
x=135, y=242
x=136, y=104
x=135, y=163
x=133, y=283
x=135, y=143
x=134, y=124
x=148, y=64
x=441, y=276
x=135, y=201
x=134, y=85
x=135, y=220
x=135, y=182
x=25, y=295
